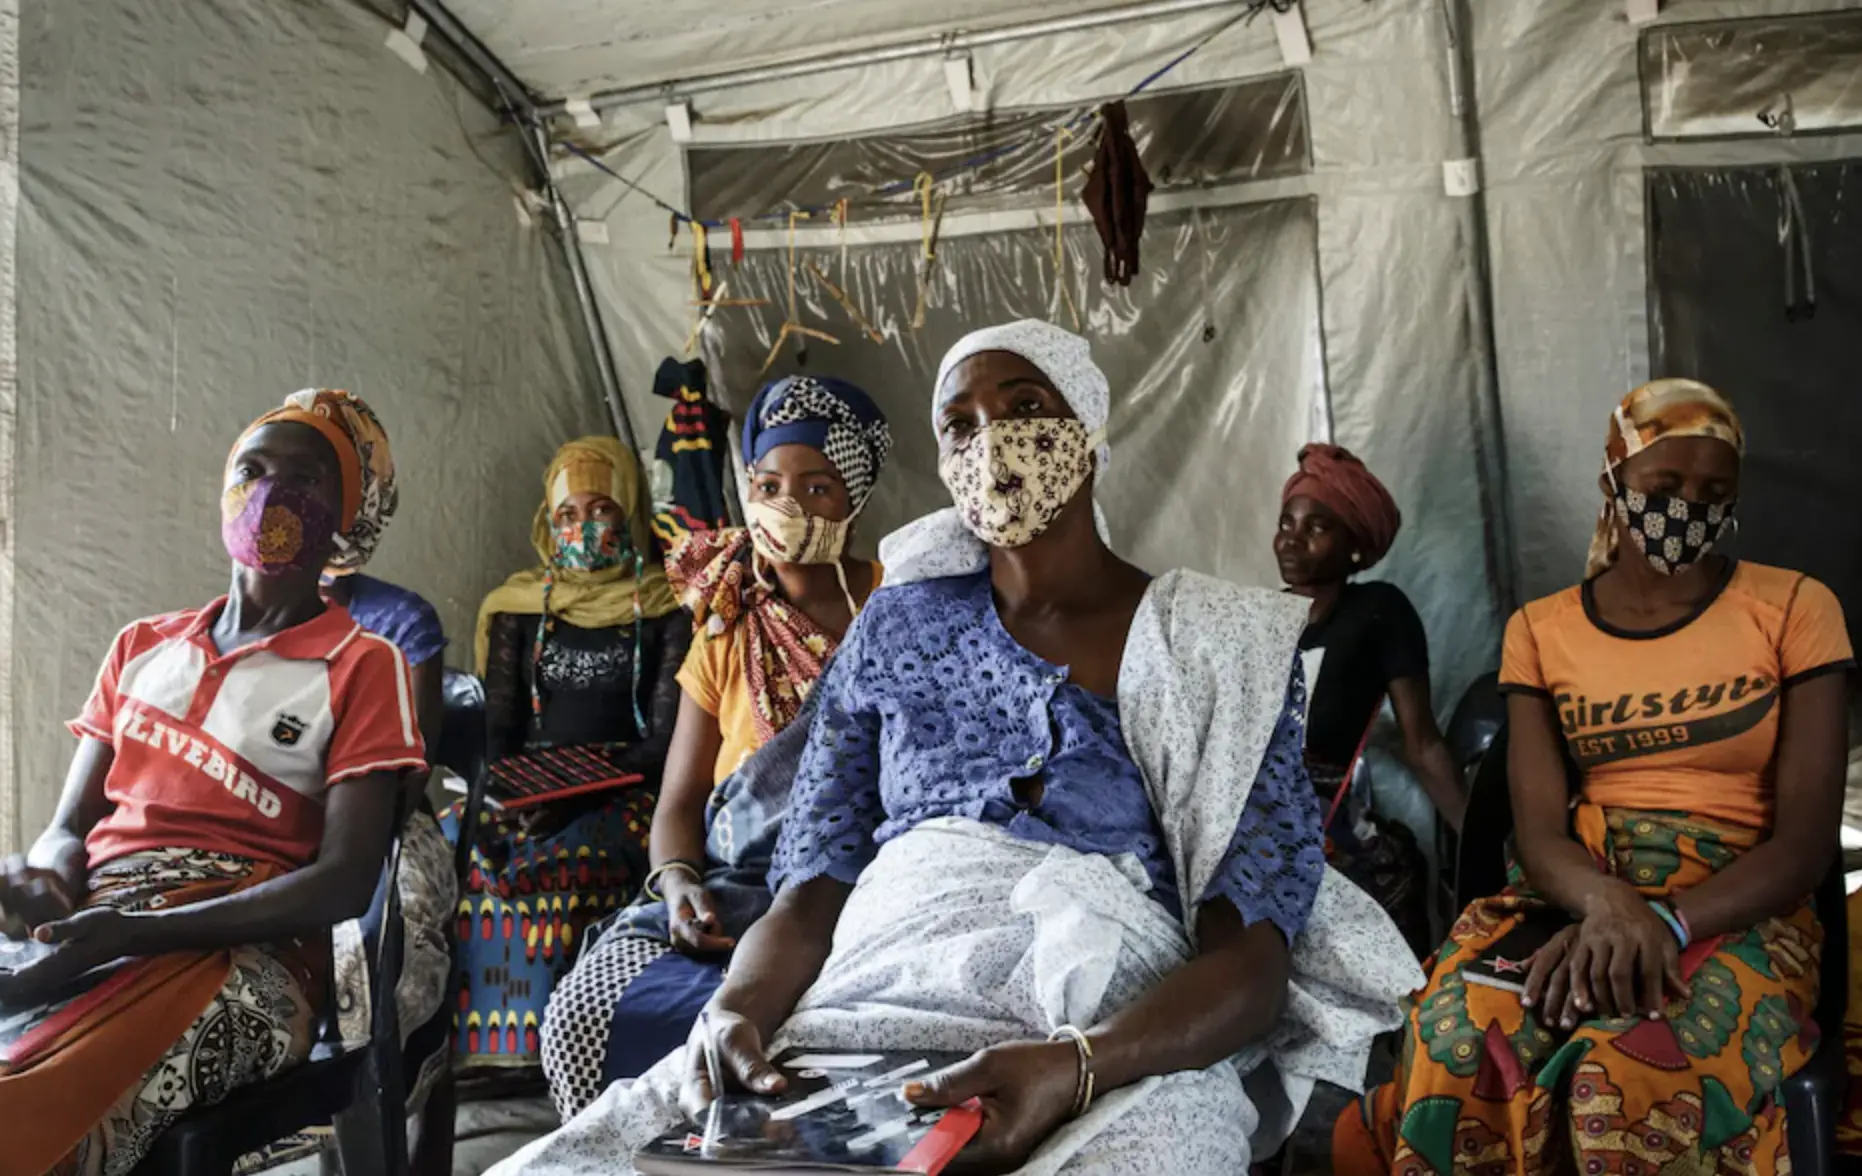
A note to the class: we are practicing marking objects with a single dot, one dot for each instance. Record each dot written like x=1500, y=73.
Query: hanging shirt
x=931, y=709
x=1684, y=717
x=235, y=753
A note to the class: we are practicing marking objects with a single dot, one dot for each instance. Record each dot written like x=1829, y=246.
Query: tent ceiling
x=571, y=48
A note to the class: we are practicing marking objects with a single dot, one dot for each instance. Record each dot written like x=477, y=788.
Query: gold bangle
x=1083, y=1086
x=656, y=872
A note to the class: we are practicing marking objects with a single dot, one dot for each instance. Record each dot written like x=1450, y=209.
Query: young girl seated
x=232, y=797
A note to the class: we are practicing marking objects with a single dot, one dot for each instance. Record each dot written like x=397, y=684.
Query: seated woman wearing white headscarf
x=1073, y=799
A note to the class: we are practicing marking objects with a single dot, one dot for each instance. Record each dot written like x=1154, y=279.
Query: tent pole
x=948, y=43
x=1502, y=552
x=536, y=139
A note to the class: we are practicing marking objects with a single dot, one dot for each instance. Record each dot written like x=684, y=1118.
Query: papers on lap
x=841, y=1113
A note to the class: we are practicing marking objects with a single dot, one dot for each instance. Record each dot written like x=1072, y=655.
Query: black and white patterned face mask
x=1673, y=534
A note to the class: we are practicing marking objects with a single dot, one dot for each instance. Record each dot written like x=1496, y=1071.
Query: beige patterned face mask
x=1011, y=479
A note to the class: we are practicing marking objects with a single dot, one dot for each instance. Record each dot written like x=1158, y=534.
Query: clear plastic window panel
x=1191, y=138
x=1753, y=78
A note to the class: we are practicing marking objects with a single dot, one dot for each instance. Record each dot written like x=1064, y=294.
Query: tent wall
x=1562, y=128
x=1558, y=97
x=220, y=202
x=1393, y=255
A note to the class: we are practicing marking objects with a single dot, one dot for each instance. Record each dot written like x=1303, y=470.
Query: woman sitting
x=580, y=658
x=769, y=604
x=1664, y=908
x=232, y=797
x=1363, y=643
x=428, y=889
x=1073, y=799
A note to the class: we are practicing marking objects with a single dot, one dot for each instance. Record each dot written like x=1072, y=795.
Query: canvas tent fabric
x=219, y=203
x=1497, y=480
x=236, y=198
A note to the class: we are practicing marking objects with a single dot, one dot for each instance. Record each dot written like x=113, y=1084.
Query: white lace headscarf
x=1063, y=357
x=939, y=544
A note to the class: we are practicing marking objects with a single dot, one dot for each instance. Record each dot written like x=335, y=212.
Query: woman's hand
x=1620, y=961
x=1026, y=1090
x=740, y=1056
x=693, y=920
x=86, y=940
x=31, y=896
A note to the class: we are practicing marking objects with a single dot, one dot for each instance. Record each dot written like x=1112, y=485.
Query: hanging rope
x=793, y=324
x=932, y=202
x=1061, y=135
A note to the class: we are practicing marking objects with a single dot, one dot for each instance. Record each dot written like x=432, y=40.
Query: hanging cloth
x=1116, y=191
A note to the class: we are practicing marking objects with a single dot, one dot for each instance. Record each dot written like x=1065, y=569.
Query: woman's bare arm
x=1779, y=872
x=1424, y=749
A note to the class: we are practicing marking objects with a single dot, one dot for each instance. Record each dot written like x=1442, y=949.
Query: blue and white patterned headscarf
x=827, y=414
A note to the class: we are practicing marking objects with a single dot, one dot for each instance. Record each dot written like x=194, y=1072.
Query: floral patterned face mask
x=274, y=528
x=593, y=546
x=1011, y=479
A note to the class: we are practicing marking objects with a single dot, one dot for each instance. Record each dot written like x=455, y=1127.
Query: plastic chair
x=1812, y=1097
x=1479, y=718
x=361, y=1092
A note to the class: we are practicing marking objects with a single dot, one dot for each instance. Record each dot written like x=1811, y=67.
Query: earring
x=1357, y=557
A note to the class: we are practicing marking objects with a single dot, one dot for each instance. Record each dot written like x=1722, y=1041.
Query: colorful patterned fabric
x=1654, y=412
x=691, y=453
x=826, y=414
x=530, y=894
x=369, y=494
x=609, y=598
x=784, y=649
x=1849, y=1122
x=1484, y=1086
x=238, y=1017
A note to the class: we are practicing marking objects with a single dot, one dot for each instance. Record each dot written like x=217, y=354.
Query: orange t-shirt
x=1684, y=718
x=714, y=675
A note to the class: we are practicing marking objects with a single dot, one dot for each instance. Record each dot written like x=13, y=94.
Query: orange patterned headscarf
x=362, y=454
x=1658, y=410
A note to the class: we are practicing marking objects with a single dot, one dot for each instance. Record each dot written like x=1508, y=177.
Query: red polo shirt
x=235, y=753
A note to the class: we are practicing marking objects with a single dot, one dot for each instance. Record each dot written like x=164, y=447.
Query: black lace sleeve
x=663, y=649
x=507, y=698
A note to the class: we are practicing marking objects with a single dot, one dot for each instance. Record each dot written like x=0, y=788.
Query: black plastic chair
x=1812, y=1097
x=361, y=1092
x=1479, y=719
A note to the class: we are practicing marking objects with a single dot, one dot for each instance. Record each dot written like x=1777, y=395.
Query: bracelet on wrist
x=661, y=870
x=1083, y=1085
x=1670, y=916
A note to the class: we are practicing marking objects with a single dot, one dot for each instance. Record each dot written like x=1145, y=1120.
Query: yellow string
x=840, y=215
x=1060, y=211
x=699, y=267
x=924, y=186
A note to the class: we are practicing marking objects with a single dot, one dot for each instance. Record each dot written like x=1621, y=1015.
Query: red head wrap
x=1335, y=479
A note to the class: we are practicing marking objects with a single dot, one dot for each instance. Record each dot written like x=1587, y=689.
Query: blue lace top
x=931, y=709
x=398, y=614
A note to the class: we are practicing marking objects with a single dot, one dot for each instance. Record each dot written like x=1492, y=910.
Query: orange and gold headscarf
x=1658, y=410
x=363, y=457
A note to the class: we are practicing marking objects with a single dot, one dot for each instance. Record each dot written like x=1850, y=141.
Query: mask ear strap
x=840, y=573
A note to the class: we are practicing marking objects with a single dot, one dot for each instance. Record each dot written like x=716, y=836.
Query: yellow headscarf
x=589, y=600
x=1655, y=412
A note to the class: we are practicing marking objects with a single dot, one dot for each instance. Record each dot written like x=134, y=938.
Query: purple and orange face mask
x=275, y=529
